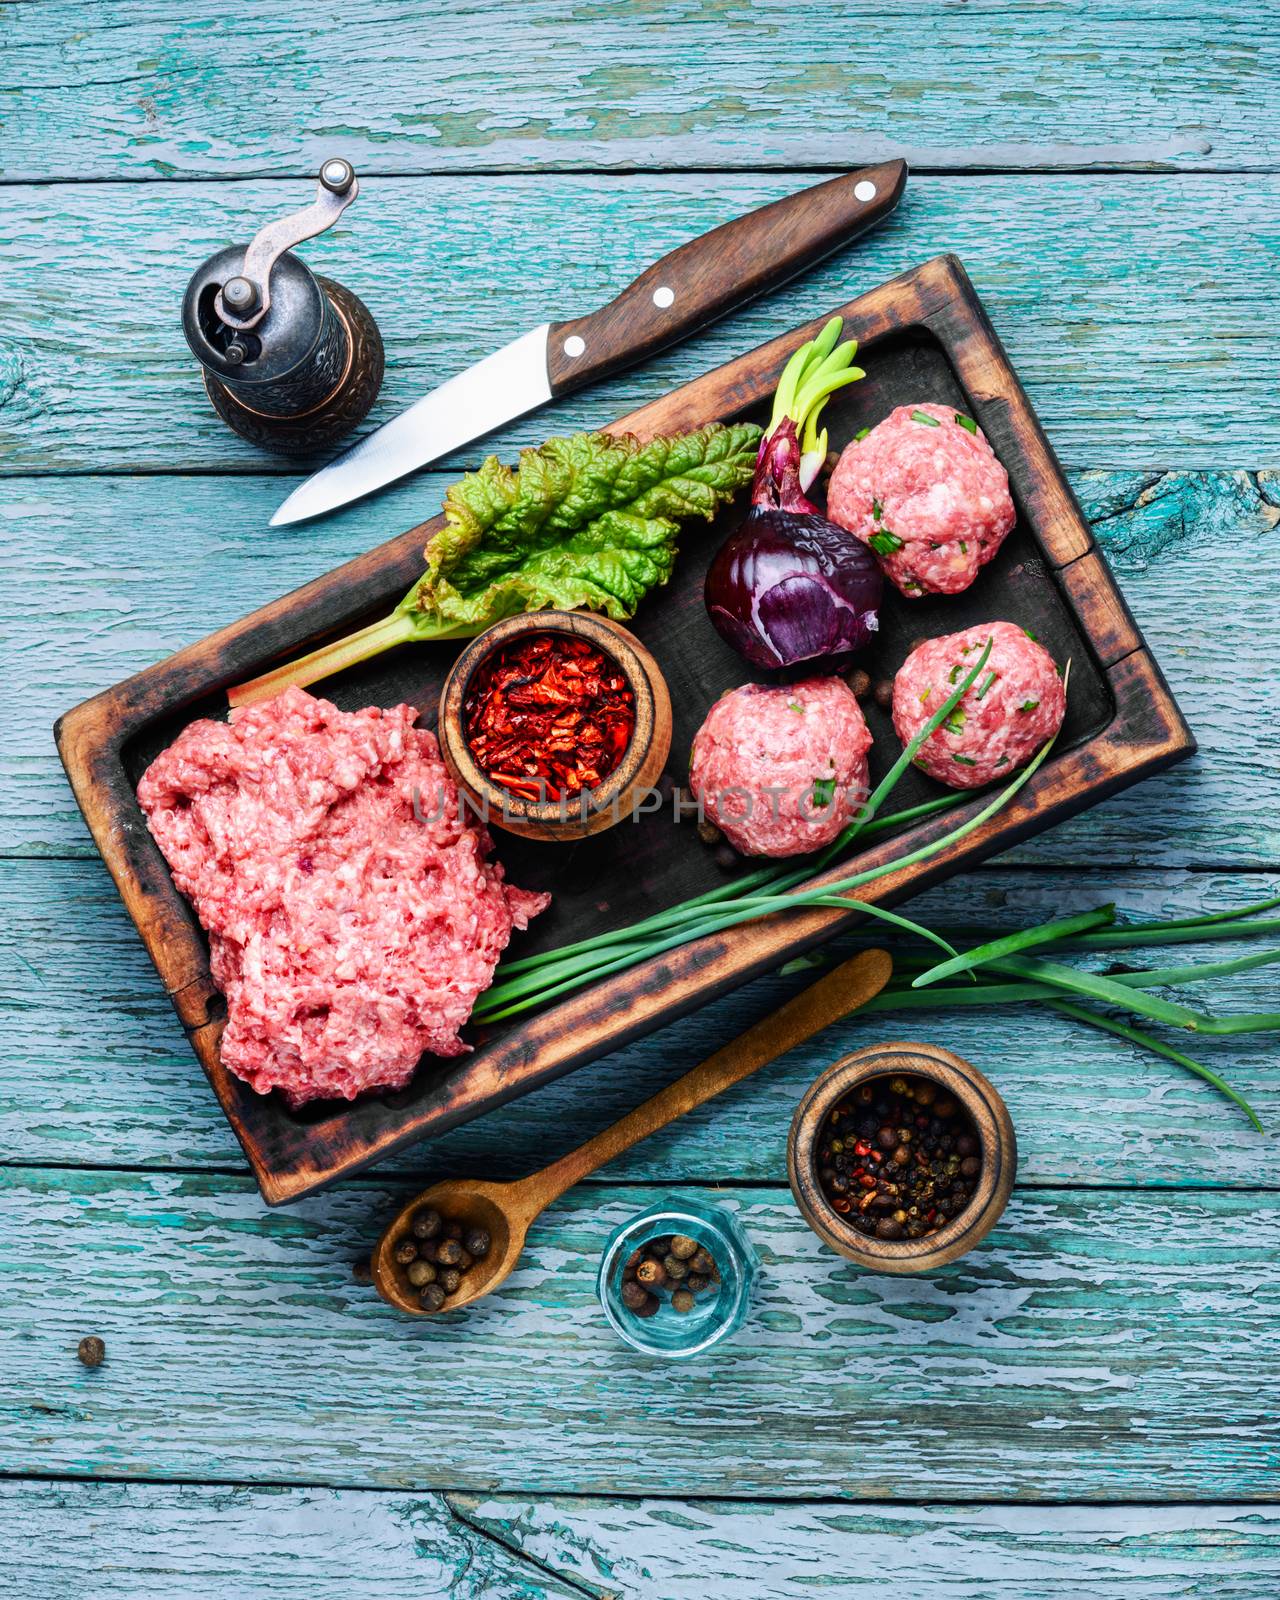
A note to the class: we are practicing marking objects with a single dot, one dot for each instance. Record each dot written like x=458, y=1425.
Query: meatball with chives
x=925, y=492
x=1016, y=702
x=782, y=770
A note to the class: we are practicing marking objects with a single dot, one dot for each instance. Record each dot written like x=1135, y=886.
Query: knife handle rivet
x=866, y=190
x=574, y=345
x=664, y=297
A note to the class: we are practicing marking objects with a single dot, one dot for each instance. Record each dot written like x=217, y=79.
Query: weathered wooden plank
x=128, y=1541
x=1098, y=1344
x=109, y=1541
x=1131, y=307
x=122, y=1088
x=106, y=575
x=660, y=1550
x=149, y=88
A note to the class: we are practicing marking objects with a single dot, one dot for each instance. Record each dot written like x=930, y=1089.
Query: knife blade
x=685, y=291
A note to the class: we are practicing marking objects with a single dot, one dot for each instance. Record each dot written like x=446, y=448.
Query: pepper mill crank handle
x=244, y=300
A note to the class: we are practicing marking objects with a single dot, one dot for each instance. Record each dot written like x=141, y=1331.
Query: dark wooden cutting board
x=923, y=336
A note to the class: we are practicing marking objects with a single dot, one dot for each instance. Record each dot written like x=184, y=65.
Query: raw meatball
x=929, y=498
x=1014, y=705
x=781, y=771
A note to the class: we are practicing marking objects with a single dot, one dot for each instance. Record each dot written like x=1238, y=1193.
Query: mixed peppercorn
x=435, y=1256
x=898, y=1158
x=673, y=1263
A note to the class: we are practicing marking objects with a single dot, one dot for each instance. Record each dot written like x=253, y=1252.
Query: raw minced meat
x=929, y=498
x=782, y=770
x=1016, y=702
x=352, y=913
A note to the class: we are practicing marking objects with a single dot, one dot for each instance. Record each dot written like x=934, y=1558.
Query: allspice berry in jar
x=676, y=1278
x=661, y=1272
x=898, y=1158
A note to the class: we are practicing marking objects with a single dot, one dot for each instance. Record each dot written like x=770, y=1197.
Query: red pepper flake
x=549, y=716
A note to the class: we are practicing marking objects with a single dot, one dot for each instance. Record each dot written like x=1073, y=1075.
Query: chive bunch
x=998, y=971
x=1002, y=972
x=535, y=980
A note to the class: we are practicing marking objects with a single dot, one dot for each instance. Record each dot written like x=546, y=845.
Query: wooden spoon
x=506, y=1210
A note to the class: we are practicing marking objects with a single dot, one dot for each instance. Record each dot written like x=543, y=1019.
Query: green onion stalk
x=914, y=986
x=747, y=909
x=563, y=971
x=534, y=980
x=812, y=375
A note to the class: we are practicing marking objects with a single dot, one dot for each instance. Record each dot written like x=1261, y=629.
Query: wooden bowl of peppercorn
x=902, y=1157
x=555, y=724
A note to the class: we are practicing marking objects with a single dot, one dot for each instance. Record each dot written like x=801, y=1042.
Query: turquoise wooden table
x=1083, y=1407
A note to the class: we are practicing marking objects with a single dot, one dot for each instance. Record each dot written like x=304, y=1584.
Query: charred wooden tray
x=924, y=336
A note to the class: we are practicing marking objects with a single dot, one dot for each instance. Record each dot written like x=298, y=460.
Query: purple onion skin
x=789, y=586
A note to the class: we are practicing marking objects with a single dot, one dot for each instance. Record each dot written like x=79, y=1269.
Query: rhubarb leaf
x=589, y=521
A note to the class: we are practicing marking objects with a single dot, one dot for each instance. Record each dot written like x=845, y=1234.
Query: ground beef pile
x=1016, y=702
x=925, y=491
x=349, y=934
x=781, y=771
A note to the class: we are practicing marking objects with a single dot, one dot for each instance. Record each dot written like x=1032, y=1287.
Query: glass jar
x=718, y=1310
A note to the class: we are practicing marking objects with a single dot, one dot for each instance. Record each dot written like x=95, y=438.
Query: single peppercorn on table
x=1082, y=1406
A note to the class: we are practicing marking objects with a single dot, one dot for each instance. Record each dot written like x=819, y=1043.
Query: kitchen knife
x=677, y=296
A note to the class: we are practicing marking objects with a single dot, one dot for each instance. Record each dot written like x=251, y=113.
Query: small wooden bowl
x=996, y=1142
x=626, y=786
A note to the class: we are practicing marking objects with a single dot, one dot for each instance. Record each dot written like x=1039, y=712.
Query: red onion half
x=789, y=585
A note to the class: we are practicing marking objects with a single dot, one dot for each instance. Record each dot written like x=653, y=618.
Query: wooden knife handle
x=837, y=995
x=719, y=272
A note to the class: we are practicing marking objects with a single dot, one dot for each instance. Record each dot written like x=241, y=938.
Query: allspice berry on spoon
x=436, y=1253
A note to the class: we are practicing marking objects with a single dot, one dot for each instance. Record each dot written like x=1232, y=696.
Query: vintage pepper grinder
x=291, y=361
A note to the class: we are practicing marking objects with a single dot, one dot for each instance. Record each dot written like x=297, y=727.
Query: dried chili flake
x=549, y=716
